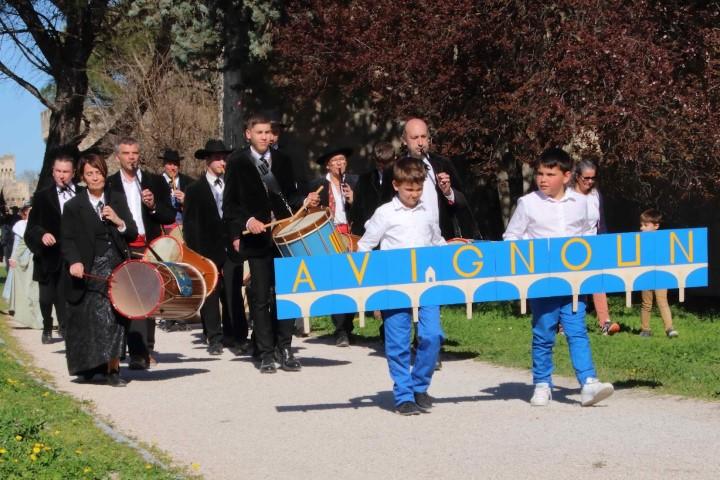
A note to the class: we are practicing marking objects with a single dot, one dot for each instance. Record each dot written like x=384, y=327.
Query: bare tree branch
x=27, y=86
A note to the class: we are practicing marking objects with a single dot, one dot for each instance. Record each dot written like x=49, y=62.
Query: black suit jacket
x=245, y=196
x=45, y=218
x=79, y=221
x=203, y=227
x=456, y=218
x=350, y=179
x=184, y=182
x=164, y=212
x=367, y=196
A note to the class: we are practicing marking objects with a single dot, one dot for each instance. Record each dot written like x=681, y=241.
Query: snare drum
x=458, y=241
x=170, y=249
x=313, y=234
x=140, y=289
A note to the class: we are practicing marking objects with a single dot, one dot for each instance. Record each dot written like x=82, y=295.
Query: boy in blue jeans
x=556, y=211
x=405, y=222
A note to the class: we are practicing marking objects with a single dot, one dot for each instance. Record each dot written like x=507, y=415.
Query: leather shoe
x=114, y=379
x=215, y=349
x=138, y=363
x=288, y=362
x=268, y=365
x=342, y=340
x=423, y=401
x=46, y=338
x=243, y=347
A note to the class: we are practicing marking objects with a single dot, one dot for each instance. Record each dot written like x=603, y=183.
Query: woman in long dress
x=96, y=226
x=24, y=293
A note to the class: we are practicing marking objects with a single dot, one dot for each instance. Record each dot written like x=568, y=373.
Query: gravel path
x=334, y=420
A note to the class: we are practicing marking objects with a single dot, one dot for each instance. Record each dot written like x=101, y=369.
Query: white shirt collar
x=257, y=155
x=568, y=195
x=125, y=179
x=398, y=205
x=211, y=177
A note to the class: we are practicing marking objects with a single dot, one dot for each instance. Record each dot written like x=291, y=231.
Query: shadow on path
x=523, y=392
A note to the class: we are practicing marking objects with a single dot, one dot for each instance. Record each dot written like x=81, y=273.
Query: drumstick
x=96, y=277
x=294, y=216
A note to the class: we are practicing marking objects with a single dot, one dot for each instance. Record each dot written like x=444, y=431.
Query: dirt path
x=334, y=420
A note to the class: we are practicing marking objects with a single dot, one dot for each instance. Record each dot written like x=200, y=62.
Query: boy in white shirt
x=405, y=222
x=556, y=211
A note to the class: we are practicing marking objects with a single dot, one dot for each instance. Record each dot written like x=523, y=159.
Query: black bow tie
x=218, y=182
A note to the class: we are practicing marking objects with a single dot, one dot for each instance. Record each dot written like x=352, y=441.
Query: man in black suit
x=177, y=181
x=42, y=237
x=261, y=186
x=442, y=192
x=368, y=191
x=148, y=198
x=205, y=234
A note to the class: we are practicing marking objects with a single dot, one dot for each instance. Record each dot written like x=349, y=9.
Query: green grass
x=46, y=435
x=688, y=365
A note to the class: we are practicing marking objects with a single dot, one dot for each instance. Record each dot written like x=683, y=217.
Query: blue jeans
x=546, y=314
x=398, y=328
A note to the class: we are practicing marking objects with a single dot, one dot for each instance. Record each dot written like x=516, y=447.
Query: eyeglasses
x=588, y=179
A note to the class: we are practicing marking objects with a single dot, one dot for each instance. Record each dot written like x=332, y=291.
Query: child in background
x=649, y=222
x=405, y=222
x=556, y=211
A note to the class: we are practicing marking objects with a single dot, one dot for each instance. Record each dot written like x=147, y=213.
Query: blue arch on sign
x=665, y=280
x=698, y=278
x=549, y=287
x=592, y=284
x=333, y=303
x=442, y=295
x=613, y=283
x=288, y=310
x=645, y=281
x=384, y=298
x=499, y=290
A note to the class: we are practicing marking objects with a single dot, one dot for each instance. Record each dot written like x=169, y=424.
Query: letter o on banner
x=588, y=256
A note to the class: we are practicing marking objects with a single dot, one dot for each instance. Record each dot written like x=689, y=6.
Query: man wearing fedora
x=205, y=233
x=337, y=195
x=177, y=181
x=261, y=187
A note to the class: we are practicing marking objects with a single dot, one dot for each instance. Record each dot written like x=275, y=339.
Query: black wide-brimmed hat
x=212, y=146
x=170, y=156
x=333, y=150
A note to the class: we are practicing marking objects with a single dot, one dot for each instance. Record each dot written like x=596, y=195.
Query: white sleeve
x=374, y=231
x=436, y=236
x=517, y=226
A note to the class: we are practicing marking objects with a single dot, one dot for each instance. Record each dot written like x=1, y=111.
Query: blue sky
x=20, y=126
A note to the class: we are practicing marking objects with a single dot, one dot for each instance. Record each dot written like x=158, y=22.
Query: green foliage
x=688, y=365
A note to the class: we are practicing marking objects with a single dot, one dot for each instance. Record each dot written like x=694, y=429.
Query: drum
x=350, y=241
x=177, y=233
x=170, y=249
x=140, y=289
x=312, y=234
x=458, y=241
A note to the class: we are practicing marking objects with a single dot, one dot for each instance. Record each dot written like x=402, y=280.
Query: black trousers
x=140, y=333
x=343, y=322
x=268, y=330
x=235, y=323
x=51, y=292
x=214, y=313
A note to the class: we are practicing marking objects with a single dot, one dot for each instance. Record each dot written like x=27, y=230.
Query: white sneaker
x=594, y=391
x=542, y=395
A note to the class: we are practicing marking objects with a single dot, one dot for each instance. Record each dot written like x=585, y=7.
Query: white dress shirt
x=593, y=201
x=539, y=216
x=267, y=154
x=429, y=195
x=217, y=190
x=339, y=215
x=64, y=196
x=133, y=193
x=393, y=225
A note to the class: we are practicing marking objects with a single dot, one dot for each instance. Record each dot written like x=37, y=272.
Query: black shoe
x=46, y=338
x=243, y=347
x=407, y=409
x=215, y=349
x=288, y=362
x=268, y=365
x=114, y=380
x=423, y=401
x=138, y=363
x=342, y=340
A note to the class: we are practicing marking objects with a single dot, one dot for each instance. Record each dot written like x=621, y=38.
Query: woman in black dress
x=95, y=228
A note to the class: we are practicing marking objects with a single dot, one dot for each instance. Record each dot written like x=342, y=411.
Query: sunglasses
x=588, y=179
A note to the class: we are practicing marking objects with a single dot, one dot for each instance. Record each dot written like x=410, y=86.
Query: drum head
x=168, y=248
x=309, y=220
x=178, y=233
x=458, y=241
x=135, y=289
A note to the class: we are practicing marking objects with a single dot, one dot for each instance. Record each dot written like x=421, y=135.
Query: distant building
x=15, y=192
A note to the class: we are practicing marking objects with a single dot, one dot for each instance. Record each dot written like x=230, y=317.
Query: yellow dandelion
x=56, y=432
x=36, y=449
x=2, y=450
x=11, y=381
x=78, y=451
x=33, y=457
x=148, y=466
x=46, y=394
x=87, y=470
x=18, y=438
x=46, y=449
x=195, y=466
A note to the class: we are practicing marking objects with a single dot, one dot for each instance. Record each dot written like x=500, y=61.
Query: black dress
x=94, y=331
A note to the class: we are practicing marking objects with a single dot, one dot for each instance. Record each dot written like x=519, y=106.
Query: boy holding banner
x=406, y=222
x=556, y=211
